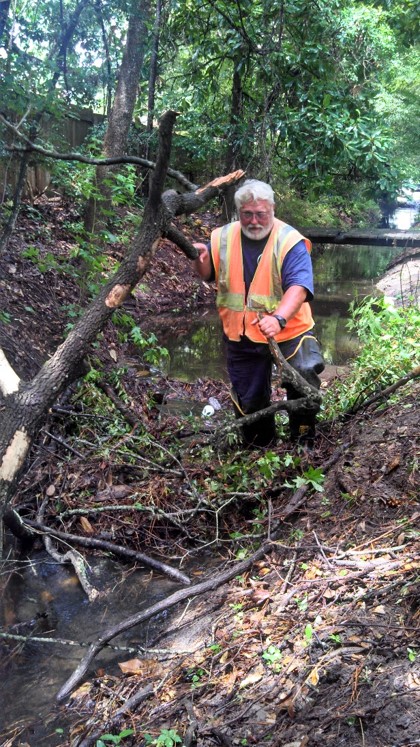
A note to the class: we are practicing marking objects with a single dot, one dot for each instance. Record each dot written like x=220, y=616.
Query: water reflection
x=45, y=600
x=404, y=218
x=195, y=346
x=342, y=274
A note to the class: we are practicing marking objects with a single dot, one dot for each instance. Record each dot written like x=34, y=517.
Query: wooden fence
x=66, y=134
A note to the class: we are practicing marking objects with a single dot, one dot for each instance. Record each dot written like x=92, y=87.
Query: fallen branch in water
x=70, y=556
x=165, y=604
x=11, y=518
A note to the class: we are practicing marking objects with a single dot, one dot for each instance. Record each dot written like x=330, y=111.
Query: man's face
x=256, y=218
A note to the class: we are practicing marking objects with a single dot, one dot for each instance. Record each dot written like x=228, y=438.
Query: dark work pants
x=250, y=370
x=250, y=367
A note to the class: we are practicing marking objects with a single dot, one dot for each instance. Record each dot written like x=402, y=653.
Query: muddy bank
x=402, y=281
x=317, y=641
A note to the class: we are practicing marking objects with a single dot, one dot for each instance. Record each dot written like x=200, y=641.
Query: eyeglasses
x=259, y=214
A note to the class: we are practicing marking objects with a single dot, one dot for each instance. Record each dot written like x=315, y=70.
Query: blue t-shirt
x=296, y=268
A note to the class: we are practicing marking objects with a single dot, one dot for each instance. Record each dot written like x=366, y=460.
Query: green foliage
x=272, y=656
x=166, y=738
x=5, y=317
x=308, y=634
x=313, y=476
x=152, y=352
x=114, y=738
x=326, y=93
x=411, y=654
x=269, y=464
x=123, y=185
x=390, y=344
x=195, y=675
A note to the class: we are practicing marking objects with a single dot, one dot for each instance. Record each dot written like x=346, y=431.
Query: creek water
x=342, y=274
x=44, y=600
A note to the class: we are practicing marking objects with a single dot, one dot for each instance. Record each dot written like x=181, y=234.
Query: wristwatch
x=281, y=320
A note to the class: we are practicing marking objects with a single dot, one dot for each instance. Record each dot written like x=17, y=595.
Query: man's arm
x=298, y=287
x=202, y=264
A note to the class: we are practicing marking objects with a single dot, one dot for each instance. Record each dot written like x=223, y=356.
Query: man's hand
x=202, y=264
x=268, y=325
x=202, y=252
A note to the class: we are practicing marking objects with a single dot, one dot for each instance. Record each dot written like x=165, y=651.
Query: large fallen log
x=363, y=236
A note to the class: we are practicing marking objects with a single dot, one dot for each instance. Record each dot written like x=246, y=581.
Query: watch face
x=281, y=321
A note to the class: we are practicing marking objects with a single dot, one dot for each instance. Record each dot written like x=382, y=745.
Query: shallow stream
x=45, y=600
x=342, y=275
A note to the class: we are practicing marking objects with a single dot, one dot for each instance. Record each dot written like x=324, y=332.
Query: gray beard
x=259, y=232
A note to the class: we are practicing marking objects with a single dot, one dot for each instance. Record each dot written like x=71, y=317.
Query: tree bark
x=233, y=150
x=153, y=74
x=115, y=141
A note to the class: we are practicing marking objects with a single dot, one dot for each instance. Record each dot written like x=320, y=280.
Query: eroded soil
x=317, y=643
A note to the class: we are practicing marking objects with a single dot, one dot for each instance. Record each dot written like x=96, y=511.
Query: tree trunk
x=4, y=12
x=233, y=151
x=62, y=46
x=115, y=141
x=98, y=11
x=24, y=404
x=153, y=75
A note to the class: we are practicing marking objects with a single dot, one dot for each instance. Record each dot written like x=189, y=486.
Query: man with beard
x=263, y=273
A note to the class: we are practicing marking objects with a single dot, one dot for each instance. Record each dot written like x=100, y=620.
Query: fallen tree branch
x=71, y=556
x=165, y=604
x=91, y=542
x=31, y=146
x=65, y=642
x=414, y=374
x=306, y=404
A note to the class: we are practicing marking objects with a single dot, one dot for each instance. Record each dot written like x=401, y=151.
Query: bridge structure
x=364, y=237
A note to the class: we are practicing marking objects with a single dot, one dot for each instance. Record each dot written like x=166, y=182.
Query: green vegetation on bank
x=390, y=348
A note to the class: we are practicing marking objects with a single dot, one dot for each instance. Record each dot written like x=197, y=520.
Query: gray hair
x=253, y=189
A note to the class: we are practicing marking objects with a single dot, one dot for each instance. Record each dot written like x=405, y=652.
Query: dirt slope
x=318, y=642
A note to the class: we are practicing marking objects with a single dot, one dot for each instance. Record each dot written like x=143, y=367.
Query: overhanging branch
x=55, y=155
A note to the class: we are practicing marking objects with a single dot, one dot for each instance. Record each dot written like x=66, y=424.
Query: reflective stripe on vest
x=265, y=291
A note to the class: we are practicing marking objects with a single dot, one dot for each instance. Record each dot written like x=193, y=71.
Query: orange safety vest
x=265, y=291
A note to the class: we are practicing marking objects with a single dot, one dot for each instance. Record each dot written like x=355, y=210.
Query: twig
x=385, y=392
x=41, y=639
x=130, y=705
x=62, y=442
x=71, y=556
x=80, y=644
x=111, y=547
x=190, y=734
x=321, y=550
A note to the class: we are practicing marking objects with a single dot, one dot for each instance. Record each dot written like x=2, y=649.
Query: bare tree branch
x=144, y=162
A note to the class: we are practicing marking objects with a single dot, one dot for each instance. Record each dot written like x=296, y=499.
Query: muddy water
x=44, y=600
x=342, y=274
